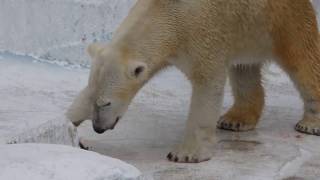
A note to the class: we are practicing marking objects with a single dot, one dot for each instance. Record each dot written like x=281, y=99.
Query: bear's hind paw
x=308, y=127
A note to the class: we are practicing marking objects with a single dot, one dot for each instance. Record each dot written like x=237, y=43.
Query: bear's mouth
x=115, y=123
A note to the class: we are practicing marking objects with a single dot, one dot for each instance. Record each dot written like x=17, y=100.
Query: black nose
x=76, y=124
x=99, y=130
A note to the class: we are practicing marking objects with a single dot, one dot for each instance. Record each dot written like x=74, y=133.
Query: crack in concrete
x=290, y=167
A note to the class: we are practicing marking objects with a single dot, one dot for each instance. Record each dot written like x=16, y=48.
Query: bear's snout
x=98, y=129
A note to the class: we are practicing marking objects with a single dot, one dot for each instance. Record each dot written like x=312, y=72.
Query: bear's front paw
x=236, y=123
x=190, y=153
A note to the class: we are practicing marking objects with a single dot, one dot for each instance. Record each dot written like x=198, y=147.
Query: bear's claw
x=234, y=125
x=83, y=146
x=229, y=126
x=186, y=159
x=189, y=153
x=307, y=130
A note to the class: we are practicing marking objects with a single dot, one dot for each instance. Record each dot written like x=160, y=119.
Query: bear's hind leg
x=248, y=98
x=305, y=72
x=297, y=45
x=302, y=63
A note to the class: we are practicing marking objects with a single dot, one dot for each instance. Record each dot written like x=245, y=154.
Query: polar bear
x=207, y=41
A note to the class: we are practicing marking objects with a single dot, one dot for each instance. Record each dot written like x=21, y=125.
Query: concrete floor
x=156, y=120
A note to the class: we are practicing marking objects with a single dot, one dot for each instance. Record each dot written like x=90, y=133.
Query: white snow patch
x=57, y=162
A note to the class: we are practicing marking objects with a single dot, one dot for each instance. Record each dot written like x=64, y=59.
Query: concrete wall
x=58, y=29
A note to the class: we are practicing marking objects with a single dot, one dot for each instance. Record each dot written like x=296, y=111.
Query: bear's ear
x=137, y=70
x=94, y=49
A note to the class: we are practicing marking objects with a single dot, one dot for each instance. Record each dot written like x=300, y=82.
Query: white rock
x=57, y=162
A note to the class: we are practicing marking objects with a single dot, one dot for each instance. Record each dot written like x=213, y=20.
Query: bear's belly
x=253, y=52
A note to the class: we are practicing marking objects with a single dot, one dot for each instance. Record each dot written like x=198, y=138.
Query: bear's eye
x=106, y=105
x=138, y=71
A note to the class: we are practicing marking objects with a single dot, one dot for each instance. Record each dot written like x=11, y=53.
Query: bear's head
x=139, y=49
x=114, y=80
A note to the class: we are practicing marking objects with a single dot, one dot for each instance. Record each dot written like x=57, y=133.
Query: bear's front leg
x=204, y=112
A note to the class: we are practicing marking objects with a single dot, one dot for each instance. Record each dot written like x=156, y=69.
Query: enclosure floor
x=155, y=122
x=34, y=92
